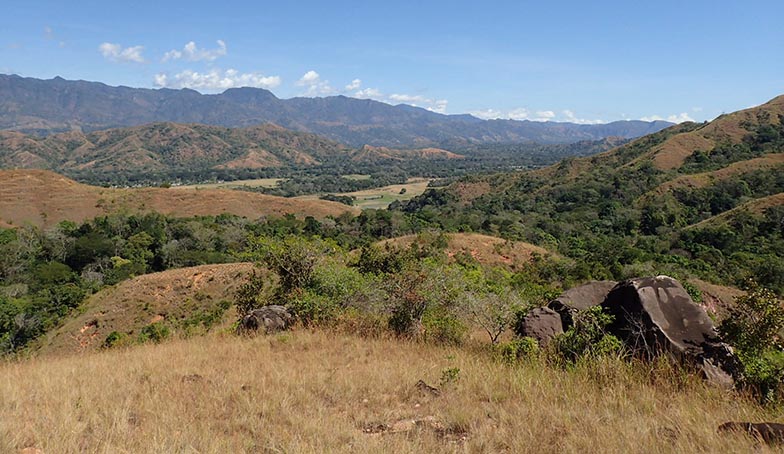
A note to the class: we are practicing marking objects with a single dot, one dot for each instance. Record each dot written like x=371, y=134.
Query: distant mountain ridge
x=57, y=105
x=172, y=147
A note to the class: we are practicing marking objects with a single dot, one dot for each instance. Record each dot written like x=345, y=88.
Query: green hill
x=706, y=198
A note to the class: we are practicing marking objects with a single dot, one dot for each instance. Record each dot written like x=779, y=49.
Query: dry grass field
x=44, y=198
x=315, y=391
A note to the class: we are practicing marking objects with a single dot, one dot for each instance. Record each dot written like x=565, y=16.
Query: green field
x=380, y=198
x=257, y=183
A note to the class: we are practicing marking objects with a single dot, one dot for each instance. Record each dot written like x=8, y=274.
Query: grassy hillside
x=44, y=198
x=706, y=198
x=190, y=300
x=485, y=249
x=314, y=391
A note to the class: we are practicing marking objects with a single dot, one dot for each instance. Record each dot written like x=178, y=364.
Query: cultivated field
x=315, y=391
x=380, y=198
x=256, y=183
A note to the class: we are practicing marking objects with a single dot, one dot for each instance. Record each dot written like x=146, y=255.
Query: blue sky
x=563, y=61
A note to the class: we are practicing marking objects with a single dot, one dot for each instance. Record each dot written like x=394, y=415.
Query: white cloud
x=433, y=105
x=521, y=113
x=439, y=106
x=569, y=116
x=369, y=93
x=192, y=52
x=408, y=99
x=48, y=33
x=674, y=118
x=216, y=79
x=115, y=52
x=545, y=115
x=314, y=86
x=354, y=85
x=488, y=114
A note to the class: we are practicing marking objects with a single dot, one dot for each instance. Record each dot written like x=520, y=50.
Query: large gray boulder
x=540, y=323
x=656, y=315
x=269, y=319
x=580, y=298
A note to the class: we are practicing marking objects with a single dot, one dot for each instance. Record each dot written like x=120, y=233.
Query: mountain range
x=44, y=107
x=171, y=148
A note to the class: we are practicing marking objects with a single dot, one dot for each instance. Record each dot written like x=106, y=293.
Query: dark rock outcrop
x=769, y=432
x=270, y=319
x=656, y=315
x=541, y=324
x=579, y=298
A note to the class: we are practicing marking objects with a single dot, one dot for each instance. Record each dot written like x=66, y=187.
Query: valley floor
x=316, y=391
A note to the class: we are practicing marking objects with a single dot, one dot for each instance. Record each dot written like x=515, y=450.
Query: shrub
x=255, y=292
x=515, y=350
x=588, y=337
x=206, y=318
x=753, y=326
x=154, y=332
x=114, y=339
x=449, y=376
x=441, y=327
x=311, y=308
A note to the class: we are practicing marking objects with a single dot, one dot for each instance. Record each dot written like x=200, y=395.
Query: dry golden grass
x=323, y=392
x=45, y=198
x=674, y=151
x=486, y=249
x=169, y=296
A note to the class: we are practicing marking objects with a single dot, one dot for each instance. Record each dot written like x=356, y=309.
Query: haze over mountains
x=57, y=105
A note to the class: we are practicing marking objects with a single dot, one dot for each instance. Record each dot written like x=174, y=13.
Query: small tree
x=292, y=259
x=753, y=326
x=755, y=323
x=494, y=313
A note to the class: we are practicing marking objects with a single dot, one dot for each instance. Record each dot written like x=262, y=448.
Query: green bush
x=753, y=326
x=206, y=318
x=114, y=339
x=154, y=332
x=312, y=308
x=588, y=337
x=255, y=292
x=441, y=327
x=518, y=349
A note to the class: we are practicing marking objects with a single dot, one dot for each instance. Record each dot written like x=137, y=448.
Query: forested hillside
x=704, y=197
